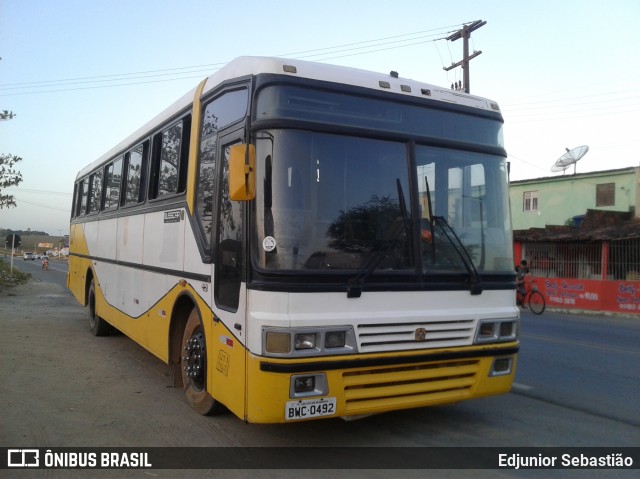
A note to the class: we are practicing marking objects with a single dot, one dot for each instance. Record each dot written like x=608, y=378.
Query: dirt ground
x=62, y=387
x=65, y=387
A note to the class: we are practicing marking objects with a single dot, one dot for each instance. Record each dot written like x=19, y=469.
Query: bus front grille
x=407, y=386
x=414, y=335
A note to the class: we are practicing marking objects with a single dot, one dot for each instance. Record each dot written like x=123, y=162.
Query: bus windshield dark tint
x=327, y=201
x=332, y=202
x=415, y=121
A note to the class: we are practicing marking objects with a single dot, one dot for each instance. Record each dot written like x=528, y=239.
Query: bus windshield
x=335, y=202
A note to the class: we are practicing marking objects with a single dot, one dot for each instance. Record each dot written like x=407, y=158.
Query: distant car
x=29, y=256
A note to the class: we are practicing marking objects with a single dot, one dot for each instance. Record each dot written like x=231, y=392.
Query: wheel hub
x=194, y=359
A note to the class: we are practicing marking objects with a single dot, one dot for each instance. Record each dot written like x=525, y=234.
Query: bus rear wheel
x=98, y=326
x=194, y=366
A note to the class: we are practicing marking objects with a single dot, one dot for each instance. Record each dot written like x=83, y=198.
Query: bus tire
x=194, y=366
x=98, y=326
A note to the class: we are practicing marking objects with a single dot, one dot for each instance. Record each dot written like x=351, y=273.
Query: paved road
x=586, y=363
x=57, y=272
x=60, y=386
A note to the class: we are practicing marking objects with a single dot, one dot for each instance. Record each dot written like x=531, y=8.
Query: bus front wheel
x=194, y=366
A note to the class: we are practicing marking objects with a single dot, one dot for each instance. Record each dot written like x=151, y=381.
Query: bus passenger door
x=229, y=336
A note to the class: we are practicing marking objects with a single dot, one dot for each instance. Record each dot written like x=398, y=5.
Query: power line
x=99, y=79
x=44, y=192
x=527, y=162
x=68, y=210
x=577, y=116
x=377, y=50
x=371, y=44
x=542, y=103
x=151, y=76
x=370, y=41
x=110, y=76
x=100, y=86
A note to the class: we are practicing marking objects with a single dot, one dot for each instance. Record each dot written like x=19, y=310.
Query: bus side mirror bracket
x=242, y=172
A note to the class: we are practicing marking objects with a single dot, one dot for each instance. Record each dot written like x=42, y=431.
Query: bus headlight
x=335, y=339
x=278, y=343
x=301, y=342
x=306, y=341
x=491, y=331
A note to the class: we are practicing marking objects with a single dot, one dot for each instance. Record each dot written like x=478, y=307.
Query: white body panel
x=163, y=242
x=456, y=312
x=118, y=245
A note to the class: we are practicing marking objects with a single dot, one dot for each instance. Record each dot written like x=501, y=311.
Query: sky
x=82, y=75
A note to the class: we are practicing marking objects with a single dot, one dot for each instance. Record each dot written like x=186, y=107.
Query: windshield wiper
x=458, y=246
x=475, y=286
x=375, y=257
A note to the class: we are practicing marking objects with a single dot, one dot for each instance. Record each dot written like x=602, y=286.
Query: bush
x=9, y=279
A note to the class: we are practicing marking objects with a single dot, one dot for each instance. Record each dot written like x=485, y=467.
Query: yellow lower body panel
x=385, y=382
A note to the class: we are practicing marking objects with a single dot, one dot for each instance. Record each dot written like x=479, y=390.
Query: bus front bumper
x=342, y=386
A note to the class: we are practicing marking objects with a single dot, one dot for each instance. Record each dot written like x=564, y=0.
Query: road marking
x=521, y=387
x=575, y=342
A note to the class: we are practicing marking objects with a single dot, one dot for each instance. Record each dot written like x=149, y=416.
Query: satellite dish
x=571, y=157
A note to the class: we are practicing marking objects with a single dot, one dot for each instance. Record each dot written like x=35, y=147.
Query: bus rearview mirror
x=242, y=172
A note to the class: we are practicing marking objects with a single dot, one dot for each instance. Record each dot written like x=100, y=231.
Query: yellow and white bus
x=299, y=240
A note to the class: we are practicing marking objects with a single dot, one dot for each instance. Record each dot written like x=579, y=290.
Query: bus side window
x=134, y=171
x=225, y=109
x=112, y=178
x=95, y=195
x=229, y=257
x=83, y=197
x=169, y=164
x=206, y=186
x=74, y=205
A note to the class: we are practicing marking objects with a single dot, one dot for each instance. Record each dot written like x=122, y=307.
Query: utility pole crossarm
x=461, y=62
x=468, y=29
x=465, y=34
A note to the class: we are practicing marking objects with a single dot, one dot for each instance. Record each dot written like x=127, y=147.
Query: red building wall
x=591, y=295
x=587, y=294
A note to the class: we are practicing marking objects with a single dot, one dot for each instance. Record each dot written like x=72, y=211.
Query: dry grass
x=9, y=279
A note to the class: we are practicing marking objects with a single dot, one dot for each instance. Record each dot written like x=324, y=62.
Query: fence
x=584, y=260
x=570, y=274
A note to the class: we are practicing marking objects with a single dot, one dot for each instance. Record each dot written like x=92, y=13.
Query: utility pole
x=465, y=34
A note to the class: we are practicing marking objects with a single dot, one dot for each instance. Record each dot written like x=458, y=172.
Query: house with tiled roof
x=580, y=234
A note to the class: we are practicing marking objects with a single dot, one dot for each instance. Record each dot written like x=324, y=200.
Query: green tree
x=7, y=115
x=9, y=176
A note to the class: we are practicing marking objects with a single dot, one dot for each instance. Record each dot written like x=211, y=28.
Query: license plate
x=307, y=408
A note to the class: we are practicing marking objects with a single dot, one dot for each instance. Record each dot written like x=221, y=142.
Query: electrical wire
x=182, y=73
x=18, y=198
x=44, y=192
